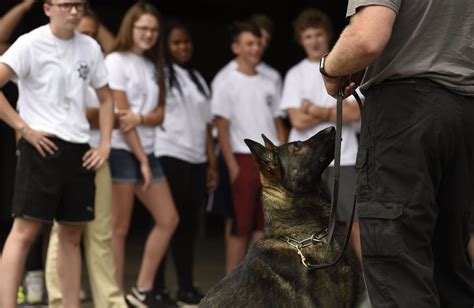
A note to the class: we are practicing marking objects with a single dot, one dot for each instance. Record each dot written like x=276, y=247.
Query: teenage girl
x=186, y=151
x=136, y=79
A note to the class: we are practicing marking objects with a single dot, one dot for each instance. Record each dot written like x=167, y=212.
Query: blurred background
x=208, y=21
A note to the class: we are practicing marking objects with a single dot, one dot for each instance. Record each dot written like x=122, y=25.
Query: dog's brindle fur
x=296, y=204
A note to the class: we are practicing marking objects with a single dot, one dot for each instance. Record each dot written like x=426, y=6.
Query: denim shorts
x=125, y=167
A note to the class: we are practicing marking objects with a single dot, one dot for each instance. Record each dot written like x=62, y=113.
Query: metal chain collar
x=299, y=245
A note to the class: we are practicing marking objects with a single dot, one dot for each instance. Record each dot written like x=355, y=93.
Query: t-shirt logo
x=83, y=70
x=269, y=100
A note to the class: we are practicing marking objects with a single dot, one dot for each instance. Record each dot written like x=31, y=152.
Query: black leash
x=335, y=192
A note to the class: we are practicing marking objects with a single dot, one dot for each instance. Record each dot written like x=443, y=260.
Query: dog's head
x=297, y=166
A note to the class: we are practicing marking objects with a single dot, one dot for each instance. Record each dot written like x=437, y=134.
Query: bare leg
x=122, y=205
x=16, y=249
x=236, y=248
x=69, y=263
x=158, y=200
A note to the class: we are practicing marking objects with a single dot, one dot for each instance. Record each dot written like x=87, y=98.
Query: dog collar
x=314, y=239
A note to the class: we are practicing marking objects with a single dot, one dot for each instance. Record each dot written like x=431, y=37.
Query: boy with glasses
x=54, y=66
x=97, y=237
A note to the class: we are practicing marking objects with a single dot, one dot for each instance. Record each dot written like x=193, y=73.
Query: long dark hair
x=124, y=41
x=173, y=81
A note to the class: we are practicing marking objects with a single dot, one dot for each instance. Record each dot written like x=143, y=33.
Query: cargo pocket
x=380, y=228
x=362, y=179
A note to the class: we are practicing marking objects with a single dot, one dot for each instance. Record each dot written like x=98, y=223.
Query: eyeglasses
x=146, y=29
x=67, y=7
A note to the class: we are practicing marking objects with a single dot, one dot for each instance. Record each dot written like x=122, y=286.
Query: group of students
x=143, y=119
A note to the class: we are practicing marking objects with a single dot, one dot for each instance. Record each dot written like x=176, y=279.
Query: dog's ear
x=268, y=143
x=265, y=157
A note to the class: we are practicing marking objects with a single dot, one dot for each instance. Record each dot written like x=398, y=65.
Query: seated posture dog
x=296, y=206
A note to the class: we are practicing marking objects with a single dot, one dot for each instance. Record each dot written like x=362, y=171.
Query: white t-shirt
x=304, y=81
x=187, y=115
x=135, y=75
x=250, y=103
x=53, y=78
x=262, y=68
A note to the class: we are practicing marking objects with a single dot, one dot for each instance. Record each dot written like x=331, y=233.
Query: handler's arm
x=361, y=41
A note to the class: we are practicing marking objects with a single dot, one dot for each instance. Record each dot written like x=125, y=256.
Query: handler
x=416, y=156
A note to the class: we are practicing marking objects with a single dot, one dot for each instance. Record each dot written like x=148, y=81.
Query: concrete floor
x=209, y=261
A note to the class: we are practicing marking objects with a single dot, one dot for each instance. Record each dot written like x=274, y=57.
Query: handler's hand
x=128, y=120
x=350, y=83
x=95, y=157
x=40, y=141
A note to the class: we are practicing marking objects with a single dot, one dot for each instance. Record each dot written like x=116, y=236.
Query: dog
x=296, y=205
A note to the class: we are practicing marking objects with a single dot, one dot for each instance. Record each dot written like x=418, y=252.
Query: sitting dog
x=296, y=206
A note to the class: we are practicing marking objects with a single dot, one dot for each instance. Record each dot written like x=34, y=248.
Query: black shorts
x=55, y=187
x=222, y=204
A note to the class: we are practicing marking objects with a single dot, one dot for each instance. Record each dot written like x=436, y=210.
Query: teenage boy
x=97, y=237
x=245, y=105
x=311, y=108
x=266, y=27
x=55, y=173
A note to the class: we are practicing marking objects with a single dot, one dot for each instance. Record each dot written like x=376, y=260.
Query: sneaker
x=34, y=287
x=141, y=299
x=163, y=298
x=20, y=298
x=83, y=295
x=189, y=298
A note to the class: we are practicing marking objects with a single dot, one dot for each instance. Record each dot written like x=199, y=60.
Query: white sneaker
x=34, y=287
x=82, y=295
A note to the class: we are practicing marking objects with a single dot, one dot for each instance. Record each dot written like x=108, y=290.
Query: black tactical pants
x=415, y=185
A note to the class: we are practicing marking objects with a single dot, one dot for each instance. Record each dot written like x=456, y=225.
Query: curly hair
x=312, y=18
